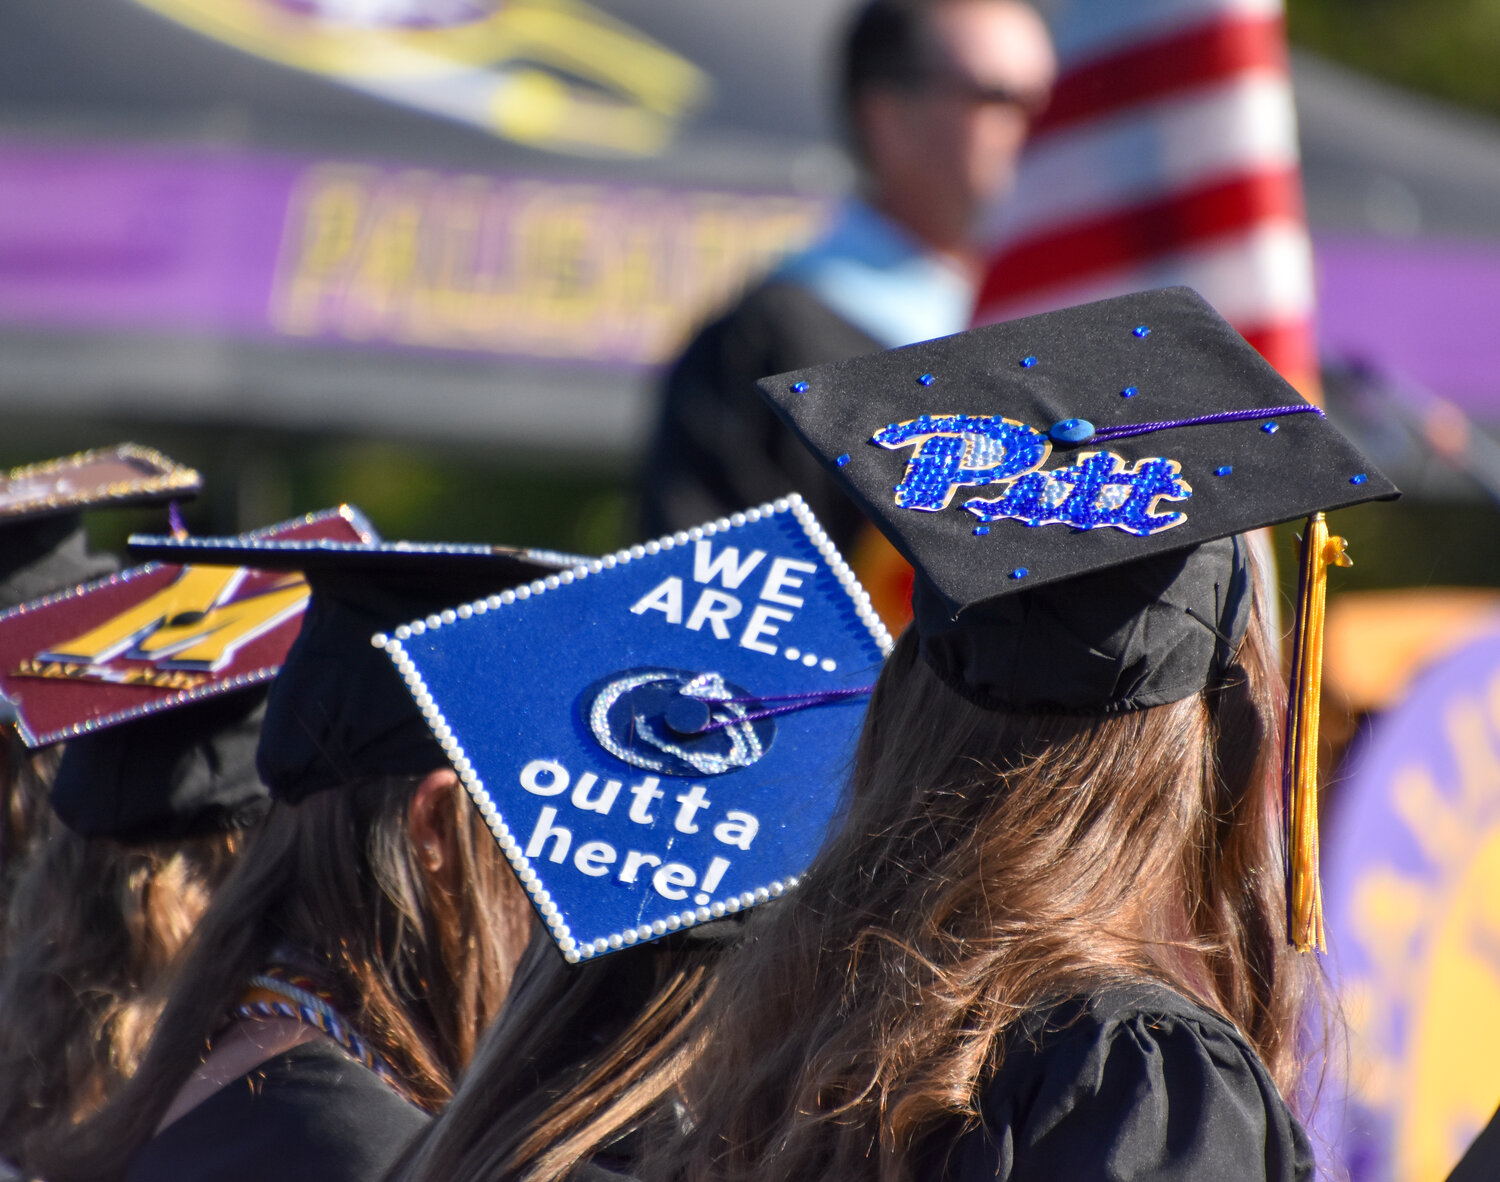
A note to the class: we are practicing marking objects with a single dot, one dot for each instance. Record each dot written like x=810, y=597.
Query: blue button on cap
x=687, y=716
x=1071, y=431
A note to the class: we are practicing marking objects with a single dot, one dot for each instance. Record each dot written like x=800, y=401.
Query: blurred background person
x=935, y=97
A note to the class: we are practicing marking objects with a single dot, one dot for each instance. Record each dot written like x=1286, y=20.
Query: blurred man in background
x=937, y=97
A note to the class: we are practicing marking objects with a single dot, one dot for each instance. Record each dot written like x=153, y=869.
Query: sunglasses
x=1029, y=103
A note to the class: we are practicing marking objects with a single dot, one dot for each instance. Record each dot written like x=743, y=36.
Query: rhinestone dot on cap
x=1358, y=478
x=1027, y=362
x=1019, y=573
x=1223, y=470
x=926, y=379
x=842, y=460
x=1129, y=392
x=981, y=530
x=798, y=387
x=1271, y=428
x=1142, y=330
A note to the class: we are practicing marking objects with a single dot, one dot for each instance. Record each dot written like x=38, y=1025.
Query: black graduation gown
x=312, y=1114
x=1137, y=1083
x=718, y=447
x=1481, y=1163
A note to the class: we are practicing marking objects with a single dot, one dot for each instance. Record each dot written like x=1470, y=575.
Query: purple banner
x=1419, y=310
x=204, y=241
x=170, y=239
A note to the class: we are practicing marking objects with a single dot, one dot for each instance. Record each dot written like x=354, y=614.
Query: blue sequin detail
x=926, y=379
x=1019, y=573
x=1096, y=492
x=842, y=460
x=799, y=387
x=1360, y=478
x=1129, y=392
x=957, y=450
x=981, y=530
x=1027, y=362
x=1224, y=471
x=1071, y=431
x=1141, y=331
x=1271, y=428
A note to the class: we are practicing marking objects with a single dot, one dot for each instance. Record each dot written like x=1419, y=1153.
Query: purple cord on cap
x=1224, y=416
x=791, y=702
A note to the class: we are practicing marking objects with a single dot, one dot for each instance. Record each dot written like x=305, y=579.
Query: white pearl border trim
x=572, y=949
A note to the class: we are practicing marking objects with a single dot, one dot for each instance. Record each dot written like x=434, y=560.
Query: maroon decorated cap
x=125, y=474
x=156, y=637
x=43, y=547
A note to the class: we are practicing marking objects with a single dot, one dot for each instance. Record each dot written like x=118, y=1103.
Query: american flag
x=1168, y=155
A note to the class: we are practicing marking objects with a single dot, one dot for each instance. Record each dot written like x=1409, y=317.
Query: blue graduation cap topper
x=657, y=738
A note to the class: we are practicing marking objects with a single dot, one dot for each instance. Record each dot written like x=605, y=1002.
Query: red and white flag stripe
x=1168, y=155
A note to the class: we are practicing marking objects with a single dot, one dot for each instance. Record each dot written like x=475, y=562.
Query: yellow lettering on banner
x=323, y=230
x=386, y=264
x=529, y=267
x=188, y=622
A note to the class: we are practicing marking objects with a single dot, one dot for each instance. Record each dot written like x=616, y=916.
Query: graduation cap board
x=1067, y=488
x=657, y=738
x=155, y=637
x=1033, y=451
x=125, y=474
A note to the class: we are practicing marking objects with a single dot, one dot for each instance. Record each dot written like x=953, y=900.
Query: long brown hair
x=579, y=1058
x=418, y=971
x=93, y=926
x=994, y=862
x=26, y=819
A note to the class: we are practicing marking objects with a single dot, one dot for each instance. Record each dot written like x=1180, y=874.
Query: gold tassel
x=1304, y=893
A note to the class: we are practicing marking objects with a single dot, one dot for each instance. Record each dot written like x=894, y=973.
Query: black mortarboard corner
x=1068, y=487
x=42, y=543
x=338, y=712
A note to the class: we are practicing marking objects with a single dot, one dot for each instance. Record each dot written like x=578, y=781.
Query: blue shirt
x=881, y=280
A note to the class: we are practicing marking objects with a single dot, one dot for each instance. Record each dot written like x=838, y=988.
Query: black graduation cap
x=1050, y=478
x=180, y=773
x=338, y=711
x=1068, y=488
x=42, y=543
